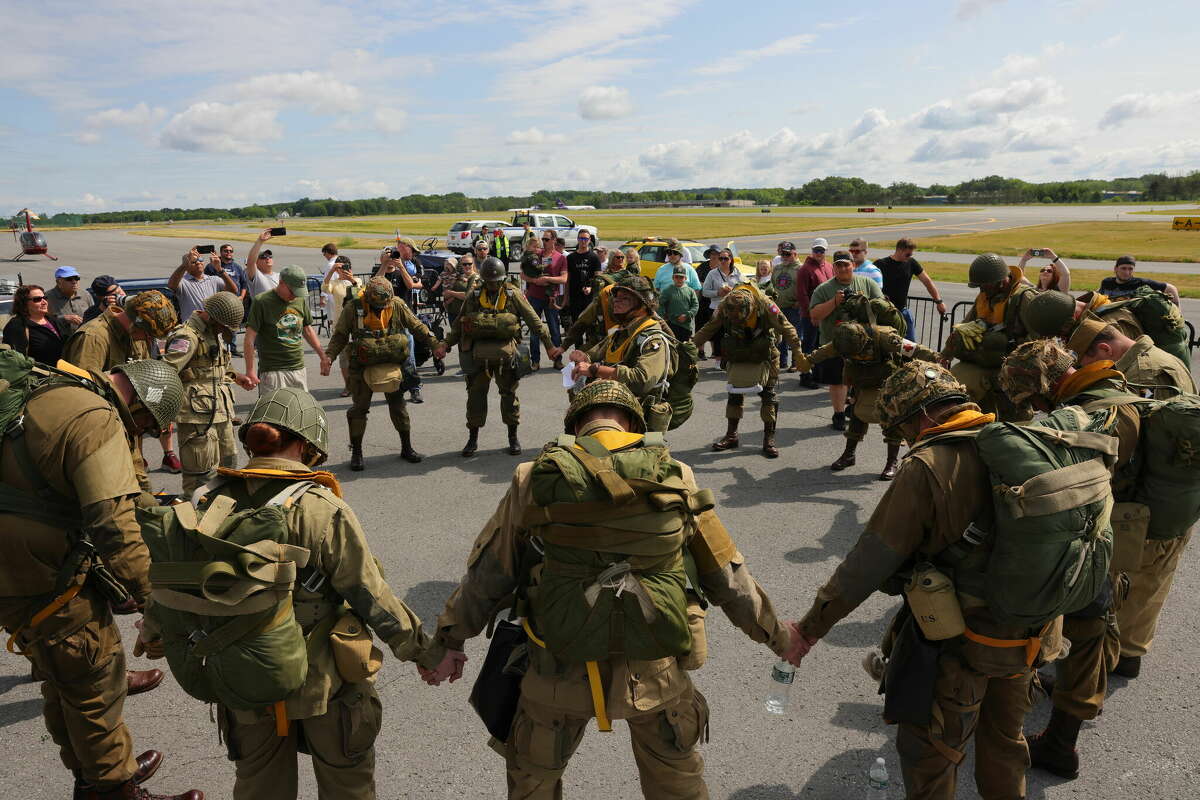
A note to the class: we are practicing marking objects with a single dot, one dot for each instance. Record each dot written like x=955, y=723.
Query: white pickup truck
x=538, y=221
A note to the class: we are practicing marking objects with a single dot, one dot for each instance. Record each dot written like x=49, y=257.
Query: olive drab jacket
x=341, y=572
x=934, y=497
x=1157, y=370
x=199, y=355
x=750, y=340
x=493, y=573
x=102, y=343
x=482, y=300
x=1002, y=313
x=640, y=351
x=594, y=321
x=78, y=443
x=349, y=326
x=869, y=369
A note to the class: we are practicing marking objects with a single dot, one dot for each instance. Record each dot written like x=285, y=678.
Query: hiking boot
x=439, y=366
x=472, y=443
x=142, y=681
x=414, y=396
x=1128, y=666
x=846, y=459
x=892, y=463
x=769, y=449
x=730, y=440
x=171, y=463
x=1054, y=748
x=839, y=421
x=807, y=381
x=131, y=790
x=406, y=449
x=356, y=457
x=558, y=364
x=514, y=446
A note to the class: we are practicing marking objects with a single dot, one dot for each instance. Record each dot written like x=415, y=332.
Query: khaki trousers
x=477, y=392
x=966, y=705
x=341, y=742
x=1082, y=677
x=865, y=412
x=1149, y=585
x=83, y=689
x=663, y=740
x=360, y=397
x=203, y=448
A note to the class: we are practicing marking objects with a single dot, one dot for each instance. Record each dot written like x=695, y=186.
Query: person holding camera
x=260, y=274
x=106, y=292
x=192, y=286
x=822, y=309
x=1054, y=275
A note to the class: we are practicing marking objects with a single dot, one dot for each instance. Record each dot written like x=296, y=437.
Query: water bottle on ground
x=782, y=676
x=877, y=781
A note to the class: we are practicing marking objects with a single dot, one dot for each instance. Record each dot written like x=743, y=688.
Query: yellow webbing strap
x=41, y=616
x=593, y=672
x=281, y=718
x=1032, y=645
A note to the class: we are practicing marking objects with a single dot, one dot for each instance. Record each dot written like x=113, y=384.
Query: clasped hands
x=450, y=667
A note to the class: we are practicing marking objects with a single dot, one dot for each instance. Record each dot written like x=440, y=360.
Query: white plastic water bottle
x=782, y=676
x=877, y=781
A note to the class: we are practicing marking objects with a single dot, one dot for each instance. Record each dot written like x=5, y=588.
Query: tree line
x=832, y=190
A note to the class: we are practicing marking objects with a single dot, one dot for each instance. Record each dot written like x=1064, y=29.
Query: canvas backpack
x=222, y=590
x=613, y=529
x=1160, y=319
x=1043, y=547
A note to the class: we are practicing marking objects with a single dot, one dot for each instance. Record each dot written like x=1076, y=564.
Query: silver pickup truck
x=565, y=227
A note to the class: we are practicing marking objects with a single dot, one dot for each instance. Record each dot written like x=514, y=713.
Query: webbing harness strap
x=12, y=645
x=1032, y=645
x=603, y=723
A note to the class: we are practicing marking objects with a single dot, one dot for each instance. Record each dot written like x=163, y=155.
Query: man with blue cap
x=65, y=300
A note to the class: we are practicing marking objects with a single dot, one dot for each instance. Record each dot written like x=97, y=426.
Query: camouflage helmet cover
x=737, y=305
x=379, y=293
x=224, y=308
x=294, y=410
x=851, y=339
x=913, y=387
x=157, y=386
x=1034, y=369
x=638, y=286
x=604, y=393
x=492, y=270
x=1049, y=314
x=986, y=269
x=152, y=311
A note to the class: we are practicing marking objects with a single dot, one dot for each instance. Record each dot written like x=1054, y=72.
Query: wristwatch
x=593, y=369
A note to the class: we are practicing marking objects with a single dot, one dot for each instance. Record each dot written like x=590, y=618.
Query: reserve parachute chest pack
x=486, y=319
x=386, y=344
x=613, y=527
x=1043, y=549
x=222, y=597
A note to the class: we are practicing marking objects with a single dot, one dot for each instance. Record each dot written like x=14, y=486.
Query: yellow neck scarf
x=1098, y=301
x=377, y=320
x=994, y=314
x=616, y=354
x=970, y=418
x=322, y=477
x=606, y=307
x=498, y=305
x=1084, y=377
x=751, y=321
x=615, y=440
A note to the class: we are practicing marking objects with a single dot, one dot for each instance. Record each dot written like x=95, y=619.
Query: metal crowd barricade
x=929, y=324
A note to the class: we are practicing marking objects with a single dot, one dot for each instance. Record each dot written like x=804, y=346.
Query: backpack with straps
x=681, y=380
x=222, y=590
x=613, y=528
x=1044, y=546
x=1160, y=319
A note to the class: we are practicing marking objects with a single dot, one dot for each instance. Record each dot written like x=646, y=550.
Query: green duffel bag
x=389, y=349
x=1160, y=319
x=1043, y=549
x=222, y=598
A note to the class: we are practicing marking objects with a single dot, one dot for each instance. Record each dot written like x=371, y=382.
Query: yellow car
x=653, y=254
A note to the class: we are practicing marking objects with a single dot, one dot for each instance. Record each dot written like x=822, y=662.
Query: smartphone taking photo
x=204, y=249
x=279, y=231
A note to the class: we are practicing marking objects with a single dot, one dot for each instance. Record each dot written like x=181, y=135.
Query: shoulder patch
x=180, y=345
x=908, y=347
x=774, y=308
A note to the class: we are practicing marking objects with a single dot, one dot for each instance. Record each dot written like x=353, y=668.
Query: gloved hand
x=802, y=362
x=971, y=333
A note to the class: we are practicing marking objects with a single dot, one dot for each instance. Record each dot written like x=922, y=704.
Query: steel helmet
x=157, y=386
x=492, y=270
x=225, y=308
x=851, y=339
x=913, y=387
x=604, y=393
x=293, y=410
x=379, y=293
x=640, y=287
x=737, y=305
x=1049, y=314
x=152, y=312
x=1034, y=369
x=986, y=269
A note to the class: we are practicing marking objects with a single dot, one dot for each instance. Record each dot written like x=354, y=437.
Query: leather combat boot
x=140, y=681
x=892, y=463
x=1054, y=748
x=356, y=456
x=147, y=764
x=1128, y=666
x=769, y=448
x=131, y=790
x=514, y=446
x=472, y=442
x=729, y=440
x=839, y=421
x=406, y=449
x=807, y=381
x=846, y=459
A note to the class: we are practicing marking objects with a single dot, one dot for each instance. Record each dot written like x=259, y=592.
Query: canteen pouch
x=498, y=687
x=1130, y=523
x=910, y=677
x=746, y=375
x=354, y=651
x=491, y=353
x=934, y=603
x=695, y=658
x=385, y=378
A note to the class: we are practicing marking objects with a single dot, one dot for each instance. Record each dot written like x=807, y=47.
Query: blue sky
x=124, y=104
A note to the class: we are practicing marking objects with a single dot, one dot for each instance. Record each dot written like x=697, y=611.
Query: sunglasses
x=547, y=240
x=39, y=299
x=74, y=279
x=618, y=258
x=853, y=250
x=266, y=256
x=724, y=258
x=1046, y=271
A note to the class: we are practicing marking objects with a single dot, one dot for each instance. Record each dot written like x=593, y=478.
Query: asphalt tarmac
x=791, y=517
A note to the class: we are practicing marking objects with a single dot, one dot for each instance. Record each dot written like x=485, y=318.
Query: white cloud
x=943, y=116
x=221, y=128
x=534, y=136
x=92, y=202
x=342, y=188
x=789, y=45
x=1145, y=104
x=390, y=120
x=604, y=102
x=139, y=116
x=320, y=92
x=944, y=148
x=1016, y=96
x=969, y=9
x=871, y=120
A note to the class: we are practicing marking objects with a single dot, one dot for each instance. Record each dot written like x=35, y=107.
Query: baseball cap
x=295, y=279
x=102, y=284
x=265, y=253
x=787, y=247
x=1130, y=260
x=66, y=272
x=343, y=260
x=821, y=243
x=408, y=241
x=841, y=255
x=712, y=248
x=680, y=270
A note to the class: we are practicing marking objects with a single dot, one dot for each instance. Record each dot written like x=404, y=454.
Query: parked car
x=462, y=234
x=652, y=252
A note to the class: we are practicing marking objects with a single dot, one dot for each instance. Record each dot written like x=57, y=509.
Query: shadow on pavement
x=427, y=598
x=20, y=711
x=867, y=717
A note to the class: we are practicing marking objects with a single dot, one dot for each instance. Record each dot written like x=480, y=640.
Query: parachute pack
x=1160, y=319
x=222, y=597
x=1043, y=548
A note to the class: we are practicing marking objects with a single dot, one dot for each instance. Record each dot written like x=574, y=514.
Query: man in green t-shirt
x=279, y=321
x=823, y=309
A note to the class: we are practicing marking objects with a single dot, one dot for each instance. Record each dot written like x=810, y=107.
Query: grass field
x=201, y=235
x=1172, y=212
x=1149, y=241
